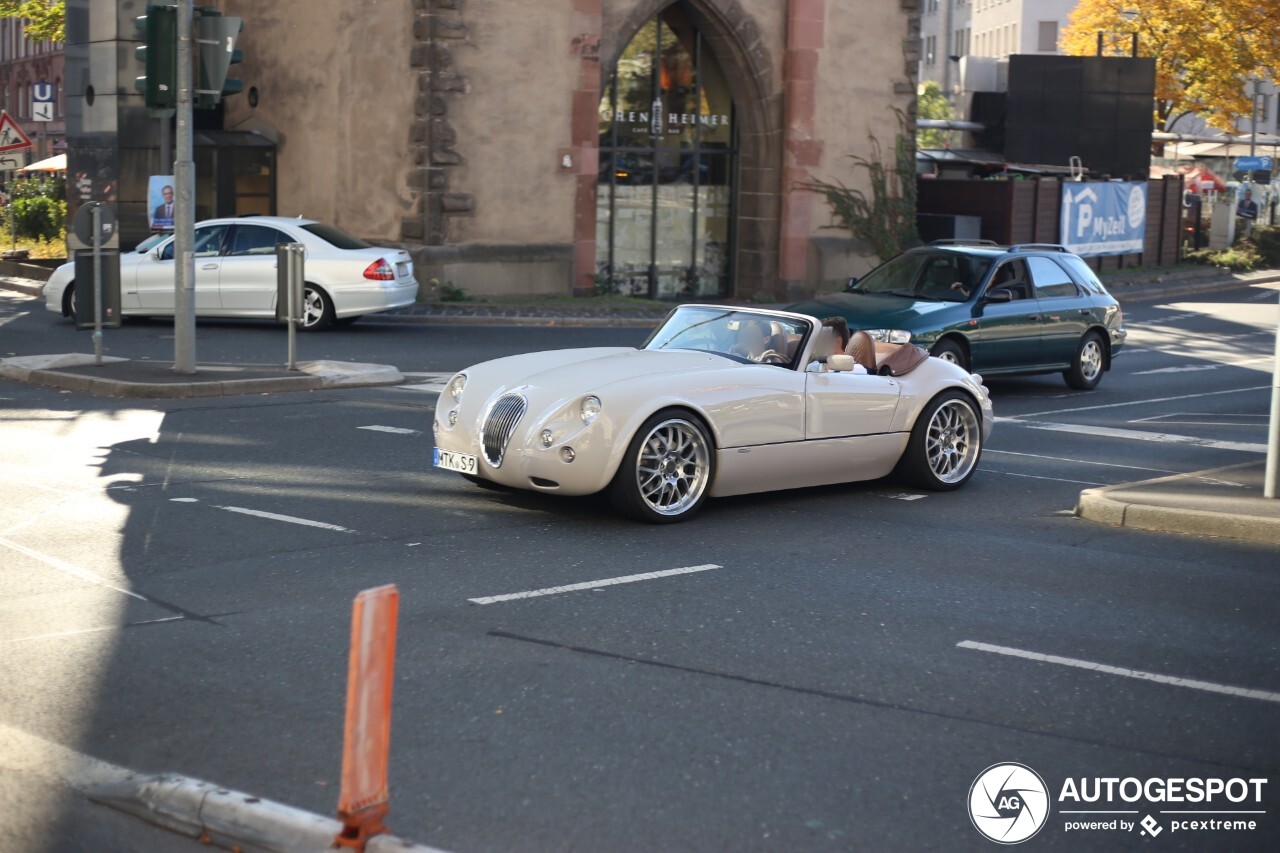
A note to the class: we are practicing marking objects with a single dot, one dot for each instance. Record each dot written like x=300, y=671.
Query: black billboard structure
x=1097, y=108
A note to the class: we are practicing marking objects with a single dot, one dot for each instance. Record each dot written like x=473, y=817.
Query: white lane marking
x=1190, y=368
x=75, y=571
x=905, y=497
x=78, y=631
x=271, y=515
x=555, y=590
x=1142, y=435
x=1038, y=477
x=1082, y=461
x=1166, y=419
x=434, y=382
x=1143, y=402
x=1208, y=686
x=392, y=430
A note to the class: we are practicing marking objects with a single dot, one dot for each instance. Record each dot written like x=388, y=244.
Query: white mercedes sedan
x=719, y=401
x=235, y=276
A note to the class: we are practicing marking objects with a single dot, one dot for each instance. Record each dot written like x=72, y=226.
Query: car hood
x=580, y=370
x=875, y=310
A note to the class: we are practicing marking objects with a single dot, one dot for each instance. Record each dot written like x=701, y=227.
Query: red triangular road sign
x=11, y=136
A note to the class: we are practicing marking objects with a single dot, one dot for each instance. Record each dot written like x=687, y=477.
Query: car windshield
x=335, y=237
x=745, y=336
x=939, y=276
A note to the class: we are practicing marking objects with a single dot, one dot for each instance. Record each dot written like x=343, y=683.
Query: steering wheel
x=959, y=286
x=771, y=356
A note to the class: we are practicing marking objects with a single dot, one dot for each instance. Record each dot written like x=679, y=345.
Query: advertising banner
x=1105, y=218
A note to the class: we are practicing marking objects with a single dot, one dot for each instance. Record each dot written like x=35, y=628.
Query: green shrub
x=1241, y=257
x=1265, y=240
x=40, y=218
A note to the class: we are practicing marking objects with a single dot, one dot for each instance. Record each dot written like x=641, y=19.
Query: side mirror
x=851, y=283
x=998, y=294
x=840, y=363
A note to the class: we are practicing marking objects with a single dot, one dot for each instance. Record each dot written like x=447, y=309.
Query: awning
x=56, y=163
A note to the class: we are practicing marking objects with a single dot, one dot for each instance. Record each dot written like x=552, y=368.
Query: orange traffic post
x=367, y=738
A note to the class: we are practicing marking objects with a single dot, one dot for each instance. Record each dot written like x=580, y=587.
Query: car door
x=844, y=404
x=1008, y=333
x=155, y=276
x=1065, y=312
x=248, y=275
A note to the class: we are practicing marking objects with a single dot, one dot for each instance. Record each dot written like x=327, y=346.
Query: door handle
x=1034, y=317
x=209, y=267
x=1084, y=312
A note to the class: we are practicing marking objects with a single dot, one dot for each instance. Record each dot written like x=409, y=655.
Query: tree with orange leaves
x=1206, y=51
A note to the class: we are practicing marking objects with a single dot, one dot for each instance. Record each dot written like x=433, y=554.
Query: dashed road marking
x=1208, y=686
x=1141, y=435
x=556, y=590
x=432, y=383
x=392, y=430
x=272, y=516
x=1138, y=402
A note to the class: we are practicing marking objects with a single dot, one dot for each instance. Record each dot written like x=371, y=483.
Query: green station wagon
x=1031, y=308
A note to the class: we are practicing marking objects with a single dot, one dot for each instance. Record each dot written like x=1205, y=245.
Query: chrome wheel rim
x=953, y=441
x=312, y=307
x=673, y=467
x=1090, y=359
x=949, y=356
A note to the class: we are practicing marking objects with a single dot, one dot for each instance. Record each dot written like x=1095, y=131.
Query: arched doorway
x=668, y=156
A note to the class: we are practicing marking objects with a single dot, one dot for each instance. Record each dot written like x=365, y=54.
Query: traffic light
x=216, y=36
x=159, y=56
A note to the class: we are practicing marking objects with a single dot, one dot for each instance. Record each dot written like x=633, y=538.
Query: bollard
x=289, y=293
x=366, y=742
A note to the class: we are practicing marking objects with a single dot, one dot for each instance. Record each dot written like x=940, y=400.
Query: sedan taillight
x=380, y=270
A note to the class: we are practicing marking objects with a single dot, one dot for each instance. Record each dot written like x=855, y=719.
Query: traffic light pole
x=184, y=179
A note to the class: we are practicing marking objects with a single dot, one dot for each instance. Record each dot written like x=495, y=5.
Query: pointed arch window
x=668, y=145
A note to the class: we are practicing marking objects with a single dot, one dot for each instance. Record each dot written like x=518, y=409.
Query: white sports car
x=235, y=259
x=719, y=401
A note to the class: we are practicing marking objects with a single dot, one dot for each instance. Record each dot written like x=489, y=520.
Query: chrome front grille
x=498, y=426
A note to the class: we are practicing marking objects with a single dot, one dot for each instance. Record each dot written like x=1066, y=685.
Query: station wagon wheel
x=1086, y=368
x=666, y=471
x=317, y=309
x=948, y=350
x=945, y=444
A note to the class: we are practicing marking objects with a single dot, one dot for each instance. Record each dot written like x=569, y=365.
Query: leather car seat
x=863, y=349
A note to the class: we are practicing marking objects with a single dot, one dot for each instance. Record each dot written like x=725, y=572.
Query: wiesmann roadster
x=719, y=401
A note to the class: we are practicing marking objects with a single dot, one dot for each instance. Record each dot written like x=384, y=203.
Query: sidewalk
x=1226, y=502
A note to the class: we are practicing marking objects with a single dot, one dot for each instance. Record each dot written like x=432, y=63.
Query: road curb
x=231, y=818
x=1103, y=506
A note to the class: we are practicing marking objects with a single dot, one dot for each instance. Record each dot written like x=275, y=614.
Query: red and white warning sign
x=11, y=136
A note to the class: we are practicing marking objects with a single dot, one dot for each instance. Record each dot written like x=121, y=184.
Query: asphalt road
x=177, y=578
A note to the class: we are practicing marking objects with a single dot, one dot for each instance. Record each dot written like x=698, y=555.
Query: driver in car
x=753, y=339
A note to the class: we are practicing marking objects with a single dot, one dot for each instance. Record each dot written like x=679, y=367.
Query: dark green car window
x=940, y=275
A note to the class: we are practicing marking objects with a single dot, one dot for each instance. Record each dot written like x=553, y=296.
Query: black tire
x=1088, y=364
x=69, y=301
x=945, y=444
x=948, y=350
x=317, y=309
x=667, y=471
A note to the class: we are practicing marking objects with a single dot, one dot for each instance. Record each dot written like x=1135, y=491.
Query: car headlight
x=455, y=386
x=590, y=409
x=890, y=336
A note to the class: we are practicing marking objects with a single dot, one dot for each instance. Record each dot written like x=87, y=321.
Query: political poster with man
x=160, y=202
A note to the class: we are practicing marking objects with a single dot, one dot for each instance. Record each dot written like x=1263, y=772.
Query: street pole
x=1271, y=488
x=184, y=314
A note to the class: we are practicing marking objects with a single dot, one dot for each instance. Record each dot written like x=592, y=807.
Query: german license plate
x=402, y=269
x=463, y=463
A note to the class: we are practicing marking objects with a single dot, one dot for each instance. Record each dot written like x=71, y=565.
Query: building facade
x=29, y=69
x=644, y=147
